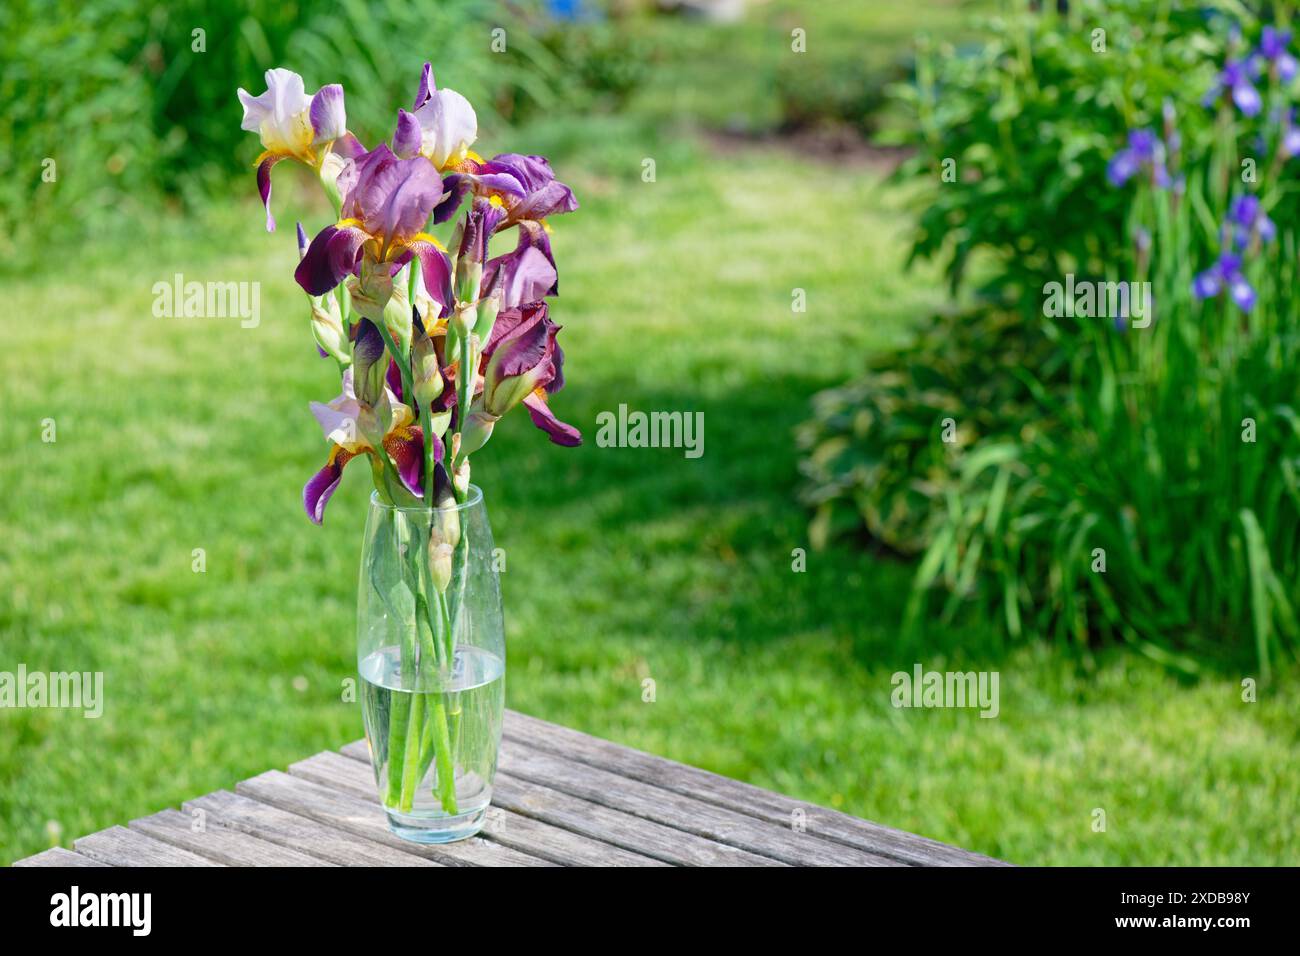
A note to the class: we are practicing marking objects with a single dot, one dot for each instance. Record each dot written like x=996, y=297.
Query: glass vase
x=431, y=657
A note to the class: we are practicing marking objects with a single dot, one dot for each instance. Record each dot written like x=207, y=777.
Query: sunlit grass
x=622, y=564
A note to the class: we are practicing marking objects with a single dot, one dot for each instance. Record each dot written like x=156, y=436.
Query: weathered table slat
x=230, y=847
x=561, y=797
x=614, y=827
x=226, y=809
x=503, y=825
x=724, y=791
x=58, y=856
x=118, y=846
x=687, y=813
x=359, y=816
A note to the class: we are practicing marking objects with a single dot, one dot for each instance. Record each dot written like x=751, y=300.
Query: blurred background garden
x=854, y=211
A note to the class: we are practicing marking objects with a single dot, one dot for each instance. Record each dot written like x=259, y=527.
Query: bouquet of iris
x=433, y=343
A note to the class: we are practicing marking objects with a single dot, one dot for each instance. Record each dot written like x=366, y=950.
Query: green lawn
x=622, y=564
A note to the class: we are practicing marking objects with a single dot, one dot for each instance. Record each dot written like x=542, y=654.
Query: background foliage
x=623, y=564
x=1096, y=437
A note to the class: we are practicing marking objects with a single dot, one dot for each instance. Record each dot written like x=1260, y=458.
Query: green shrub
x=136, y=107
x=1138, y=484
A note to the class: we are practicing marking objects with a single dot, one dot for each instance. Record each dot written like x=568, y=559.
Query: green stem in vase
x=411, y=752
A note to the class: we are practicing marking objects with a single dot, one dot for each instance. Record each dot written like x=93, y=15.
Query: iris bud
x=327, y=328
x=476, y=431
x=427, y=376
x=440, y=554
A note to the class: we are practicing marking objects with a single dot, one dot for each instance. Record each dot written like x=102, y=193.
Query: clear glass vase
x=431, y=656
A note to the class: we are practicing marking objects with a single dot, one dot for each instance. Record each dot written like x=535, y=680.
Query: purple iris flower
x=1225, y=274
x=524, y=363
x=1144, y=151
x=1247, y=221
x=1289, y=145
x=386, y=203
x=294, y=125
x=525, y=186
x=1235, y=78
x=1273, y=50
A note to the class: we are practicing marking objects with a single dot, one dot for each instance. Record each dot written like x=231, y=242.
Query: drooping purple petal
x=561, y=433
x=264, y=187
x=321, y=486
x=521, y=358
x=512, y=321
x=331, y=256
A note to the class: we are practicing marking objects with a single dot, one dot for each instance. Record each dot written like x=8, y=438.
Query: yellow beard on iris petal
x=295, y=141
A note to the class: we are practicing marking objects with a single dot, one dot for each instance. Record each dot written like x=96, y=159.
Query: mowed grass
x=623, y=565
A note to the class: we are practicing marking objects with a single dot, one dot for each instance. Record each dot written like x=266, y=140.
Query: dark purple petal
x=1243, y=210
x=320, y=486
x=1272, y=43
x=551, y=200
x=524, y=350
x=1229, y=264
x=454, y=187
x=435, y=270
x=532, y=172
x=393, y=378
x=542, y=416
x=331, y=256
x=406, y=446
x=367, y=350
x=511, y=322
x=264, y=187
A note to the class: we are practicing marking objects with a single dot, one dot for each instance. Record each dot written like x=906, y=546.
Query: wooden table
x=561, y=797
